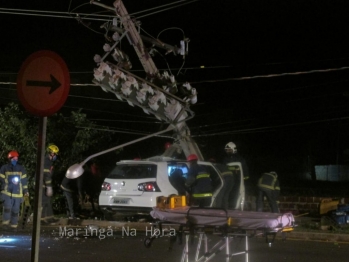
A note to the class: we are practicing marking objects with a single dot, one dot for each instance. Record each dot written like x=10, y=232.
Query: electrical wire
x=274, y=75
x=239, y=78
x=269, y=128
x=125, y=132
x=161, y=6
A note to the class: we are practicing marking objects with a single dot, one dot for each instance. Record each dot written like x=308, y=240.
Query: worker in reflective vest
x=222, y=199
x=268, y=186
x=199, y=183
x=47, y=211
x=13, y=182
x=232, y=156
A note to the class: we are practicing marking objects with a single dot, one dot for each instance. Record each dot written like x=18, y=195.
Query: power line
x=269, y=128
x=93, y=16
x=124, y=131
x=235, y=78
x=273, y=75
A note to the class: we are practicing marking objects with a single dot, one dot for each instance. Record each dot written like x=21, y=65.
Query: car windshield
x=133, y=171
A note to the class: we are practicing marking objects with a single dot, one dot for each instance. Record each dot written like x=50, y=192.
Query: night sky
x=272, y=76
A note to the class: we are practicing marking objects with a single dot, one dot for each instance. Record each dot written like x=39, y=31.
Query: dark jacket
x=8, y=174
x=235, y=169
x=199, y=181
x=48, y=169
x=75, y=185
x=270, y=181
x=224, y=169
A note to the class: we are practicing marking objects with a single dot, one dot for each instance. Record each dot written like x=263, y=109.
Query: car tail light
x=149, y=187
x=106, y=186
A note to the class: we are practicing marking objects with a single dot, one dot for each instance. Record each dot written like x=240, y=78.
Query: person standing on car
x=47, y=211
x=232, y=156
x=199, y=183
x=13, y=181
x=268, y=186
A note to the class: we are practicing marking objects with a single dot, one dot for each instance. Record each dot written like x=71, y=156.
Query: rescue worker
x=268, y=185
x=92, y=183
x=232, y=155
x=222, y=199
x=13, y=181
x=199, y=183
x=72, y=190
x=47, y=211
x=76, y=192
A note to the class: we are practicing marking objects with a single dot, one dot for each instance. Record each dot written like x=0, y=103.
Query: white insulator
x=148, y=88
x=115, y=21
x=187, y=86
x=97, y=58
x=154, y=100
x=193, y=97
x=116, y=37
x=98, y=75
x=142, y=94
x=126, y=88
x=102, y=71
x=153, y=103
x=115, y=80
x=106, y=48
x=166, y=75
x=182, y=49
x=133, y=82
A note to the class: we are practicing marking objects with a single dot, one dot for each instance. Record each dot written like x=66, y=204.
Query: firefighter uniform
x=199, y=183
x=268, y=186
x=222, y=199
x=73, y=190
x=13, y=180
x=235, y=169
x=47, y=211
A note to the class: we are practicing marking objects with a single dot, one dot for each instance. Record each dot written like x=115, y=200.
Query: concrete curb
x=315, y=236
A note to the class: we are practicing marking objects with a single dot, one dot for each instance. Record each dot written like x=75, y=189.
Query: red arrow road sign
x=43, y=83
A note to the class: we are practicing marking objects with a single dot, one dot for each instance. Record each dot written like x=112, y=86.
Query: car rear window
x=172, y=167
x=133, y=171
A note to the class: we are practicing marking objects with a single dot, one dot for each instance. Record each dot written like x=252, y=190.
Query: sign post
x=43, y=85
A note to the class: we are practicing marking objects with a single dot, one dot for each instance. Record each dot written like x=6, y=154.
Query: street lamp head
x=74, y=171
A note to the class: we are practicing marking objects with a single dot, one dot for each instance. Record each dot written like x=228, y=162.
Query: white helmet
x=231, y=146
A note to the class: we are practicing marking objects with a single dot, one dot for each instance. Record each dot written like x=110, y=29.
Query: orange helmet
x=192, y=157
x=12, y=154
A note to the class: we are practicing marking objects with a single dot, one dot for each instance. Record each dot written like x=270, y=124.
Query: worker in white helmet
x=232, y=155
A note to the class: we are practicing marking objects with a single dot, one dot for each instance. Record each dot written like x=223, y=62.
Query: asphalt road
x=77, y=244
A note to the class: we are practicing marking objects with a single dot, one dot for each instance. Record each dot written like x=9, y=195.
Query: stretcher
x=227, y=224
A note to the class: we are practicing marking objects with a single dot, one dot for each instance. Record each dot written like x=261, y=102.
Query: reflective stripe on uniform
x=202, y=176
x=233, y=168
x=272, y=180
x=11, y=194
x=227, y=173
x=203, y=195
x=66, y=189
x=267, y=187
